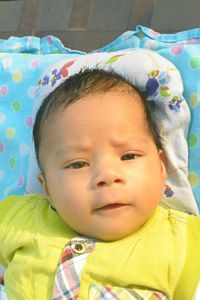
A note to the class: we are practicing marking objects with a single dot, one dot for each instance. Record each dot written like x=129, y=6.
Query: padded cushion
x=161, y=80
x=183, y=50
x=22, y=60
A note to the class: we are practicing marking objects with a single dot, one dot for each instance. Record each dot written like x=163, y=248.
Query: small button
x=78, y=247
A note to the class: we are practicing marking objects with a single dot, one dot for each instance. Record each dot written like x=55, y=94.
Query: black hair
x=80, y=85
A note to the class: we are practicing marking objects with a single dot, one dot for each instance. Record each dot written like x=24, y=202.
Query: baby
x=99, y=232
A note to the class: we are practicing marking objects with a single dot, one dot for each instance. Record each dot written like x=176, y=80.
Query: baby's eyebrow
x=115, y=142
x=72, y=148
x=134, y=139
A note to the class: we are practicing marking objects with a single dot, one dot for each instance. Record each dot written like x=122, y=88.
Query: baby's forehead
x=100, y=102
x=121, y=92
x=110, y=112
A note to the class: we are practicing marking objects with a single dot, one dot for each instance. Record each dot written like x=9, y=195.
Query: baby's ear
x=42, y=181
x=163, y=161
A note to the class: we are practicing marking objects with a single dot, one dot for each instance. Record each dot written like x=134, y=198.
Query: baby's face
x=102, y=170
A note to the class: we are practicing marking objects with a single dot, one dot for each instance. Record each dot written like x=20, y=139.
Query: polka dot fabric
x=162, y=82
x=183, y=50
x=22, y=60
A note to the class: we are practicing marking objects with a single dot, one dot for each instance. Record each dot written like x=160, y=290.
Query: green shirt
x=162, y=255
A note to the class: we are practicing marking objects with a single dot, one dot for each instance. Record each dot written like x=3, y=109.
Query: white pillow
x=149, y=72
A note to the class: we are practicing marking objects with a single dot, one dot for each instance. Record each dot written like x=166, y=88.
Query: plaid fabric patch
x=3, y=295
x=67, y=278
x=1, y=279
x=118, y=293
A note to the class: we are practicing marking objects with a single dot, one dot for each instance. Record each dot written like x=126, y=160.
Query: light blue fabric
x=183, y=50
x=156, y=75
x=22, y=60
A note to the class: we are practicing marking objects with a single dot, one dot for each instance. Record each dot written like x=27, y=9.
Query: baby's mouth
x=111, y=207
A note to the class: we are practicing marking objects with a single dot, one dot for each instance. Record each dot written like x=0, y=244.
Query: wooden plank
x=28, y=17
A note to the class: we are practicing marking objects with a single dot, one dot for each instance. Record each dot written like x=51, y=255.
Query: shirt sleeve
x=12, y=219
x=5, y=208
x=190, y=277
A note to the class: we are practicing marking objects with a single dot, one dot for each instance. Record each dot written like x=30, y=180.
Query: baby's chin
x=110, y=227
x=109, y=236
x=112, y=237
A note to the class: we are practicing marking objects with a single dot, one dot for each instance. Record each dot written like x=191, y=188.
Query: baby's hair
x=87, y=82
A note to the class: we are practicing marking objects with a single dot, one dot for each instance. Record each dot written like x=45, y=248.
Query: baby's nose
x=107, y=176
x=109, y=179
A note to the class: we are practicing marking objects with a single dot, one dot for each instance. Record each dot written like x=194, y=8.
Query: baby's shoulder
x=193, y=225
x=16, y=202
x=173, y=217
x=190, y=224
x=192, y=221
x=18, y=209
x=190, y=276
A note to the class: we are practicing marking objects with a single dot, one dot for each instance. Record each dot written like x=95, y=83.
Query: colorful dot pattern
x=183, y=50
x=162, y=82
x=22, y=60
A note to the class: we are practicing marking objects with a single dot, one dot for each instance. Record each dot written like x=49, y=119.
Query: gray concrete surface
x=176, y=15
x=10, y=12
x=54, y=15
x=90, y=24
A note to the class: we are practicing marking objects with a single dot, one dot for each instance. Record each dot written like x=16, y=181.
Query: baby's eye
x=129, y=156
x=77, y=165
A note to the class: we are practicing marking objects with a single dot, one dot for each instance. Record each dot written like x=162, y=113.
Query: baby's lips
x=110, y=206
